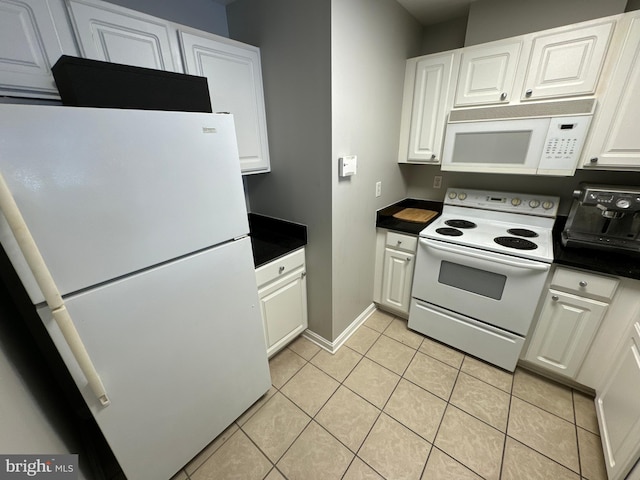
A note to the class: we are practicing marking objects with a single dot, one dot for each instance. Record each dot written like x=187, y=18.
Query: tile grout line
x=340, y=383
x=435, y=435
x=506, y=430
x=575, y=424
x=381, y=411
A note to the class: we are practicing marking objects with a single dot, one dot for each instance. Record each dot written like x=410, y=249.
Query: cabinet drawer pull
x=503, y=96
x=583, y=283
x=528, y=93
x=555, y=298
x=281, y=269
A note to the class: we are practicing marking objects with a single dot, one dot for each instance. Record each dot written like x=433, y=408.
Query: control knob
x=534, y=203
x=516, y=202
x=548, y=204
x=452, y=195
x=623, y=203
x=462, y=196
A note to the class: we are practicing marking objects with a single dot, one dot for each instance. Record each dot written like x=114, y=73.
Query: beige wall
x=420, y=181
x=495, y=19
x=444, y=36
x=371, y=40
x=333, y=76
x=295, y=42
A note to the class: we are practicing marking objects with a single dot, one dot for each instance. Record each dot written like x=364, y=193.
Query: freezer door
x=109, y=192
x=181, y=351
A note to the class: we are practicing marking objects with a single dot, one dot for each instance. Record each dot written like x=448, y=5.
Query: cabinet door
x=567, y=63
x=565, y=329
x=397, y=279
x=119, y=35
x=618, y=408
x=30, y=44
x=234, y=74
x=487, y=74
x=283, y=304
x=425, y=104
x=615, y=142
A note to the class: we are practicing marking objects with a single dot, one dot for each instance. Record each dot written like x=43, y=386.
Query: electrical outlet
x=378, y=189
x=437, y=181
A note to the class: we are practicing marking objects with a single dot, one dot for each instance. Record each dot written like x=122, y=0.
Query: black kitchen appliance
x=92, y=83
x=604, y=217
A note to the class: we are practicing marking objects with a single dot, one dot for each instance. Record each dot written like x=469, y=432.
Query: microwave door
x=500, y=146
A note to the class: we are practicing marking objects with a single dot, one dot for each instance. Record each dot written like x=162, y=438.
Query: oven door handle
x=504, y=261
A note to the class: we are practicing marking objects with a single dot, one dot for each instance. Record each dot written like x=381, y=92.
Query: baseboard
x=332, y=347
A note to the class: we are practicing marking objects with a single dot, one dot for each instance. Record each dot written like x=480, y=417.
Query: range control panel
x=540, y=205
x=612, y=198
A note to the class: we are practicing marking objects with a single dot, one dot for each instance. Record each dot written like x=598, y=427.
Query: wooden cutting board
x=417, y=215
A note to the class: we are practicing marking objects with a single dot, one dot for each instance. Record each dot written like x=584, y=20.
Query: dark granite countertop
x=603, y=261
x=385, y=218
x=272, y=238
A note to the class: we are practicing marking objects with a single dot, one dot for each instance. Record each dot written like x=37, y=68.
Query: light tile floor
x=392, y=404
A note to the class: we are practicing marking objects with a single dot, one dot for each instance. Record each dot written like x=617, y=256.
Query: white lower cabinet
x=395, y=261
x=566, y=326
x=618, y=407
x=282, y=289
x=572, y=311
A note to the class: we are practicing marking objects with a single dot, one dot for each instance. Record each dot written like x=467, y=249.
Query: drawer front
x=280, y=267
x=495, y=346
x=402, y=242
x=585, y=284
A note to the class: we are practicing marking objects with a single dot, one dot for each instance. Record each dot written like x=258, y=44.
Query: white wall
x=295, y=43
x=495, y=19
x=371, y=40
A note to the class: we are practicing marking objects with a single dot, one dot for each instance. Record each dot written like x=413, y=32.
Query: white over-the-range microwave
x=529, y=139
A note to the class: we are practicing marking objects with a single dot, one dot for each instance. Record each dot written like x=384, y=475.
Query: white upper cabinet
x=567, y=63
x=33, y=35
x=119, y=35
x=614, y=142
x=234, y=75
x=428, y=90
x=487, y=73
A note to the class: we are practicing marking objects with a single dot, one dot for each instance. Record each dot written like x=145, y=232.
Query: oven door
x=497, y=289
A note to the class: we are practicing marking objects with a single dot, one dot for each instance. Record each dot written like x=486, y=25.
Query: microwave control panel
x=564, y=142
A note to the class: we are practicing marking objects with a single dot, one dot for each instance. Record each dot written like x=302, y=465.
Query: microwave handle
x=504, y=261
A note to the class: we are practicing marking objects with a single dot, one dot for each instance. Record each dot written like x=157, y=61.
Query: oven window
x=481, y=282
x=492, y=147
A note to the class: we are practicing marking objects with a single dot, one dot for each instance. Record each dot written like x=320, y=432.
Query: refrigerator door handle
x=50, y=290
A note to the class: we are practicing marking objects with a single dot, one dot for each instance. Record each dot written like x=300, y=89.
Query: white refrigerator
x=141, y=221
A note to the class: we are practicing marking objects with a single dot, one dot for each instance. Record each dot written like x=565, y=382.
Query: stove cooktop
x=506, y=223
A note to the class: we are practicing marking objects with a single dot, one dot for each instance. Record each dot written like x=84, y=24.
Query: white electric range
x=480, y=270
